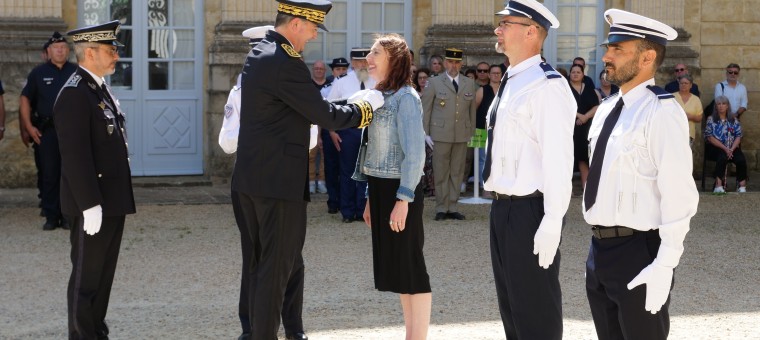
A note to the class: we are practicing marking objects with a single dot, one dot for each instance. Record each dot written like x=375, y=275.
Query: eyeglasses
x=733, y=72
x=482, y=71
x=110, y=51
x=680, y=69
x=495, y=74
x=504, y=23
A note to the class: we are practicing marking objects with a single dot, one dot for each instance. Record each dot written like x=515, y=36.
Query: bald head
x=318, y=70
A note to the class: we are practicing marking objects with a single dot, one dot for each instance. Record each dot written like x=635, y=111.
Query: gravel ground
x=179, y=268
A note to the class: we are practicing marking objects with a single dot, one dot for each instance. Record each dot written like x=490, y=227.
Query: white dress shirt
x=346, y=86
x=533, y=139
x=228, y=135
x=737, y=96
x=646, y=180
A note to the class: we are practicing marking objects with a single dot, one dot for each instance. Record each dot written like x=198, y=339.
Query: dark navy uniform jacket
x=43, y=85
x=94, y=164
x=279, y=102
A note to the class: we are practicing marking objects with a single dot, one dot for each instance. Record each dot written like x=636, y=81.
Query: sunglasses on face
x=482, y=71
x=680, y=69
x=733, y=72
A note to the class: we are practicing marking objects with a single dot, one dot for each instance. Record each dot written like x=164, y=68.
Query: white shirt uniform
x=533, y=139
x=346, y=86
x=228, y=135
x=646, y=180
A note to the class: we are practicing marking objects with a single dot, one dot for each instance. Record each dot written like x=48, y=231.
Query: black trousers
x=277, y=230
x=618, y=312
x=721, y=160
x=530, y=298
x=50, y=166
x=292, y=306
x=332, y=170
x=93, y=259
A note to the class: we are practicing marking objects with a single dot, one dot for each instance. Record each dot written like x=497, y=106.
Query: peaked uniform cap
x=453, y=54
x=359, y=53
x=626, y=26
x=531, y=9
x=339, y=62
x=102, y=33
x=311, y=10
x=257, y=34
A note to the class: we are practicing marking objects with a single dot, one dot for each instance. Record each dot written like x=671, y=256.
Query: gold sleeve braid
x=366, y=111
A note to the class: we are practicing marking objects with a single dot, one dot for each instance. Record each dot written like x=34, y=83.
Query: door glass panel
x=587, y=21
x=125, y=37
x=159, y=43
x=95, y=12
x=566, y=17
x=337, y=20
x=182, y=13
x=371, y=15
x=184, y=45
x=565, y=49
x=394, y=17
x=122, y=77
x=158, y=13
x=182, y=75
x=122, y=10
x=158, y=75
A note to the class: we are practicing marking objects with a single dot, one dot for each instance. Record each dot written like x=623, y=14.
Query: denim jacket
x=396, y=147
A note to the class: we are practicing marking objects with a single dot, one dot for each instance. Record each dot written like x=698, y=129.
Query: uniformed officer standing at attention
x=96, y=183
x=339, y=67
x=529, y=168
x=640, y=195
x=347, y=141
x=279, y=102
x=292, y=306
x=42, y=87
x=449, y=120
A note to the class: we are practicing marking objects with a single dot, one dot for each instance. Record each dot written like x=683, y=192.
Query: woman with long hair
x=724, y=132
x=393, y=165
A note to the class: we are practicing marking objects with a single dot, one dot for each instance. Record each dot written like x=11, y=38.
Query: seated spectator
x=690, y=104
x=673, y=86
x=724, y=132
x=735, y=91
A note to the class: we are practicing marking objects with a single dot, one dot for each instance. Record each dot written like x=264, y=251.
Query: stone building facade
x=709, y=40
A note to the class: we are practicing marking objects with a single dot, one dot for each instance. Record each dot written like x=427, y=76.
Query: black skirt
x=398, y=262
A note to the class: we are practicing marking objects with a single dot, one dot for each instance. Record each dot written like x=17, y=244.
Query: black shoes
x=440, y=216
x=50, y=224
x=245, y=336
x=296, y=336
x=332, y=210
x=455, y=216
x=64, y=224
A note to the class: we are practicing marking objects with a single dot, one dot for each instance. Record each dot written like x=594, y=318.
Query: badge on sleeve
x=290, y=51
x=228, y=111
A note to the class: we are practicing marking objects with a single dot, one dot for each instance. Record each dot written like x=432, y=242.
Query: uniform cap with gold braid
x=454, y=54
x=312, y=10
x=103, y=34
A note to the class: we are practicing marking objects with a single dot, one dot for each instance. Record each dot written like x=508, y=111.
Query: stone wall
x=21, y=42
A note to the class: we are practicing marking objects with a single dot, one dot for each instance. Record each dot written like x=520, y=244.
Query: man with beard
x=449, y=120
x=96, y=183
x=347, y=141
x=640, y=196
x=529, y=168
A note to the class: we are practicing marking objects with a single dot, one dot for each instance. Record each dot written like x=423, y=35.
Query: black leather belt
x=498, y=196
x=602, y=232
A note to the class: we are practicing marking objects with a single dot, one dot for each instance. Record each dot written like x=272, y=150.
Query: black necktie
x=456, y=86
x=491, y=124
x=361, y=86
x=595, y=170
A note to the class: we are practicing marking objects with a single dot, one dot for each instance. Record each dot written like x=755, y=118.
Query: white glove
x=545, y=245
x=373, y=97
x=93, y=217
x=658, y=279
x=429, y=141
x=313, y=135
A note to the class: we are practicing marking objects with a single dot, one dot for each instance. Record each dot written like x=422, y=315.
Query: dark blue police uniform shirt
x=43, y=85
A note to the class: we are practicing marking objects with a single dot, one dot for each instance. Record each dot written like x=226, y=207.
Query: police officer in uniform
x=292, y=306
x=42, y=87
x=279, y=102
x=96, y=183
x=347, y=141
x=529, y=168
x=449, y=120
x=339, y=68
x=640, y=196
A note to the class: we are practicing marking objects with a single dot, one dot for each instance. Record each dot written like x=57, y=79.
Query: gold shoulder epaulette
x=290, y=51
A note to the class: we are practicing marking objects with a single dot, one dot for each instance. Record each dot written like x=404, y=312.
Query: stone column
x=227, y=52
x=467, y=25
x=24, y=28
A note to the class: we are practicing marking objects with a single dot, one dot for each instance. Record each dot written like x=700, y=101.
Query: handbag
x=358, y=175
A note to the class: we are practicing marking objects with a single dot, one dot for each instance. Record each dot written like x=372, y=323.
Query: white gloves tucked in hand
x=658, y=279
x=313, y=135
x=429, y=141
x=93, y=217
x=373, y=97
x=545, y=245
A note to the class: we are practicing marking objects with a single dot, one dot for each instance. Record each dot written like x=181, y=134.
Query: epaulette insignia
x=73, y=81
x=290, y=51
x=549, y=71
x=660, y=92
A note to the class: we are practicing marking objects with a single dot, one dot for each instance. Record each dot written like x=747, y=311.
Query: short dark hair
x=736, y=66
x=645, y=45
x=399, y=62
x=282, y=19
x=470, y=70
